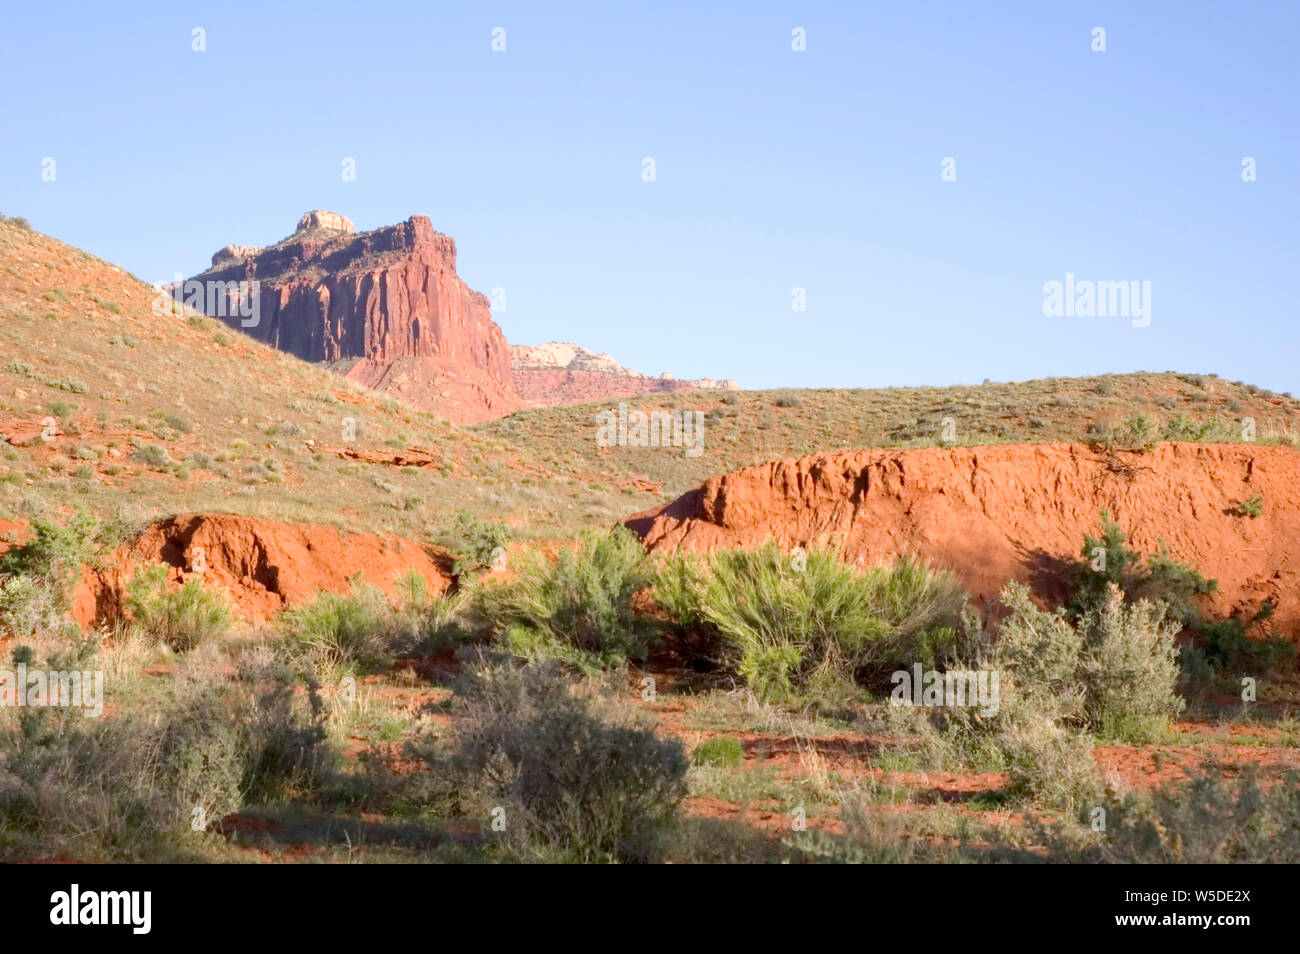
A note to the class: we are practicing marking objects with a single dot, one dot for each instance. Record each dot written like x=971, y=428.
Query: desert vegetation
x=596, y=704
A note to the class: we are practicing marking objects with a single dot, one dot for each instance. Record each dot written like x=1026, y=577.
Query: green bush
x=786, y=623
x=27, y=607
x=152, y=455
x=1128, y=666
x=1252, y=506
x=37, y=578
x=1227, y=648
x=343, y=631
x=181, y=617
x=1182, y=427
x=574, y=774
x=1137, y=432
x=579, y=606
x=1223, y=644
x=1158, y=578
x=721, y=751
x=476, y=542
x=1113, y=675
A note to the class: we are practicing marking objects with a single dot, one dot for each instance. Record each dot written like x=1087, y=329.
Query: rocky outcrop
x=260, y=566
x=320, y=219
x=563, y=373
x=998, y=513
x=234, y=253
x=387, y=301
x=387, y=309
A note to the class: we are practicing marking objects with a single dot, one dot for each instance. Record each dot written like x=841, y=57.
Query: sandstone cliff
x=386, y=304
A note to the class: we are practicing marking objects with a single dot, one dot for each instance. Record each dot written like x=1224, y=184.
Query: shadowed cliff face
x=383, y=296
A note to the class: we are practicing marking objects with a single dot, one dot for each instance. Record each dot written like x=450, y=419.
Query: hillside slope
x=744, y=428
x=154, y=414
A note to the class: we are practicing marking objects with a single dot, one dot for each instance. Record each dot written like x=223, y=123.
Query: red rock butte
x=386, y=307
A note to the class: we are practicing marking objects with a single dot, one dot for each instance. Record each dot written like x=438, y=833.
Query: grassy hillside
x=157, y=414
x=751, y=427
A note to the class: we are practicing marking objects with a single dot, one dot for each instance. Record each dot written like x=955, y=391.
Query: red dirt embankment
x=998, y=513
x=261, y=566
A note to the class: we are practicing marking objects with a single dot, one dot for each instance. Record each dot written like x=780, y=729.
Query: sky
x=775, y=170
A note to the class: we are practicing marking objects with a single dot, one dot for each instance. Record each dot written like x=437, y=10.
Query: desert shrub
x=348, y=631
x=1252, y=506
x=1182, y=427
x=1227, y=648
x=1113, y=674
x=721, y=750
x=579, y=776
x=1046, y=761
x=1059, y=685
x=36, y=579
x=1128, y=666
x=262, y=741
x=476, y=542
x=1223, y=644
x=1207, y=820
x=27, y=607
x=789, y=622
x=787, y=400
x=152, y=455
x=1037, y=733
x=1157, y=578
x=178, y=422
x=1137, y=432
x=133, y=787
x=179, y=617
x=579, y=606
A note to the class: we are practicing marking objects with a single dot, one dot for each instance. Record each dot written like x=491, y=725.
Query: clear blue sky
x=775, y=169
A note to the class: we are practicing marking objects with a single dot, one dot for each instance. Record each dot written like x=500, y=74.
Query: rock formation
x=562, y=373
x=385, y=306
x=1005, y=512
x=387, y=309
x=330, y=221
